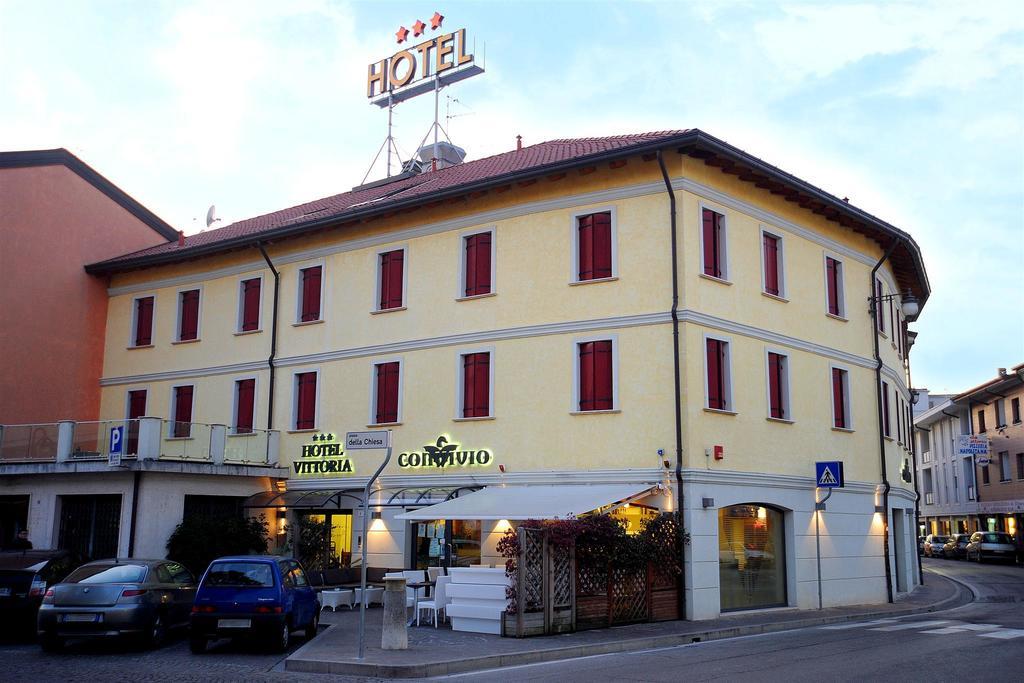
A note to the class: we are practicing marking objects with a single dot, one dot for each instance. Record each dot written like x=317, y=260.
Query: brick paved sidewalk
x=441, y=651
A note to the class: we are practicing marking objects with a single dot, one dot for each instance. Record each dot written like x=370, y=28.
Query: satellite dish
x=211, y=215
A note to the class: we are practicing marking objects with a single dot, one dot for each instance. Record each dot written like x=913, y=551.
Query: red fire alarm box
x=719, y=452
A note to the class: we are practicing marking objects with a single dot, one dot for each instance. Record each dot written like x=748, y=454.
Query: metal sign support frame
x=819, y=507
x=366, y=528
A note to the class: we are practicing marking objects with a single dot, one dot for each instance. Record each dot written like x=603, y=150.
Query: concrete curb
x=296, y=664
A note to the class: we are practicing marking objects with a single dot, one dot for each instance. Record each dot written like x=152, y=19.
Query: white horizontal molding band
x=527, y=331
x=516, y=211
x=697, y=476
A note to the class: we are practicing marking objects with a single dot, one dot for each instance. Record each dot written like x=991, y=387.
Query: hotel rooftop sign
x=433, y=63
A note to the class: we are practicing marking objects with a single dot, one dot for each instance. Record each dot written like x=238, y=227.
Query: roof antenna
x=211, y=215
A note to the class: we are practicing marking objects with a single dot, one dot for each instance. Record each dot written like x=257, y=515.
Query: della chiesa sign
x=326, y=456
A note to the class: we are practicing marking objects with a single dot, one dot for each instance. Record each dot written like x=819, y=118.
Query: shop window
x=305, y=400
x=834, y=295
x=142, y=323
x=89, y=526
x=188, y=315
x=477, y=267
x=386, y=392
x=713, y=244
x=718, y=374
x=391, y=279
x=325, y=540
x=841, y=399
x=249, y=304
x=181, y=416
x=778, y=386
x=596, y=375
x=751, y=558
x=594, y=246
x=245, y=403
x=310, y=293
x=476, y=385
x=772, y=255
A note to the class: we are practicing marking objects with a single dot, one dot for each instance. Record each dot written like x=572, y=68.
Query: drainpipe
x=881, y=437
x=675, y=366
x=913, y=462
x=273, y=336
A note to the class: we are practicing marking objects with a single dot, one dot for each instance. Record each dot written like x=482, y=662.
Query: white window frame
x=405, y=278
x=574, y=408
x=764, y=269
x=460, y=383
x=128, y=402
x=177, y=316
x=172, y=407
x=460, y=291
x=842, y=284
x=727, y=370
x=787, y=405
x=847, y=393
x=887, y=400
x=726, y=269
x=293, y=425
x=371, y=420
x=255, y=401
x=574, y=244
x=298, y=294
x=135, y=321
x=241, y=302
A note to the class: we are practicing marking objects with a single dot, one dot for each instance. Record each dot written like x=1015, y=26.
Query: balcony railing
x=145, y=438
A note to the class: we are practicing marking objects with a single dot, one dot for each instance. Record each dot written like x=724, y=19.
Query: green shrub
x=200, y=539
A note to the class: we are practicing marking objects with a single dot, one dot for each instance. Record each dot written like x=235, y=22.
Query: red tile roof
x=426, y=186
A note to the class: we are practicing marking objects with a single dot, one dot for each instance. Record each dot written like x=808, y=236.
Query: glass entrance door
x=446, y=543
x=751, y=557
x=325, y=539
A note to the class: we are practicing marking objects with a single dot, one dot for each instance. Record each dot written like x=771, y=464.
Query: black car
x=25, y=575
x=956, y=547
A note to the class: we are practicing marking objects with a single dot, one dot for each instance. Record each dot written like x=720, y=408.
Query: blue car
x=253, y=596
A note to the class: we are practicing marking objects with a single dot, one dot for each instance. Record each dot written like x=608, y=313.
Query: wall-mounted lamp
x=707, y=502
x=375, y=515
x=879, y=509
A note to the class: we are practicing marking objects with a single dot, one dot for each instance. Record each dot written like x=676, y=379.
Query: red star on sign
x=435, y=21
x=418, y=27
x=401, y=34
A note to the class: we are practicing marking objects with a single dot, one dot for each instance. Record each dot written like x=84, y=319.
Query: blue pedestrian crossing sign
x=829, y=475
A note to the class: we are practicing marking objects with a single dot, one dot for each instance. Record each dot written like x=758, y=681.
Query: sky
x=915, y=111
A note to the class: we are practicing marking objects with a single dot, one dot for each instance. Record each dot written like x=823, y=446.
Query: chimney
x=519, y=142
x=1002, y=372
x=181, y=238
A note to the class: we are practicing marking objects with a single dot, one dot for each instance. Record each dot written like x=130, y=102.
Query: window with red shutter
x=136, y=409
x=594, y=246
x=310, y=292
x=391, y=279
x=713, y=238
x=477, y=267
x=777, y=386
x=188, y=306
x=182, y=420
x=250, y=318
x=144, y=321
x=717, y=367
x=386, y=392
x=476, y=385
x=839, y=398
x=245, y=403
x=596, y=388
x=886, y=426
x=833, y=284
x=305, y=400
x=771, y=265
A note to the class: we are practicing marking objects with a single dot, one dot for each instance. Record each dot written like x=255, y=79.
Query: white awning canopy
x=530, y=502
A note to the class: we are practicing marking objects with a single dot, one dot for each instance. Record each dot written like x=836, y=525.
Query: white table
x=337, y=597
x=373, y=594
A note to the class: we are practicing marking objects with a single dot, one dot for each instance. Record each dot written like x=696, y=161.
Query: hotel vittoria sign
x=323, y=456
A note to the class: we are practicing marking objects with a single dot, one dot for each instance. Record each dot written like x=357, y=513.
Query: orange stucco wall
x=52, y=314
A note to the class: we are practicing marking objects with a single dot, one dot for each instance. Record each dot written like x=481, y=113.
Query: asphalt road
x=981, y=641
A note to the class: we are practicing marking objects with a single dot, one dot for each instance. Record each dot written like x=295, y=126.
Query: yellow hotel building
x=661, y=318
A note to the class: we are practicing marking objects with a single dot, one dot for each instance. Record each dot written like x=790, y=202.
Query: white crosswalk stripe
x=840, y=627
x=1004, y=634
x=916, y=624
x=945, y=627
x=964, y=628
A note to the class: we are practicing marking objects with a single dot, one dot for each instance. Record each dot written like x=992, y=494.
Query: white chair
x=438, y=602
x=434, y=572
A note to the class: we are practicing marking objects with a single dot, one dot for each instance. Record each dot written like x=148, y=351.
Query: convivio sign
x=323, y=456
x=442, y=454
